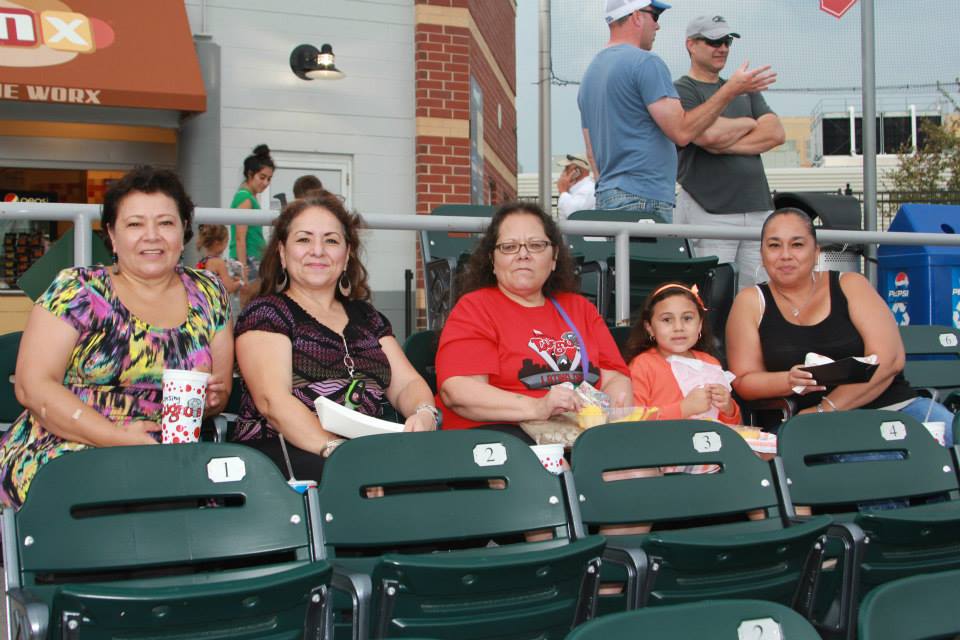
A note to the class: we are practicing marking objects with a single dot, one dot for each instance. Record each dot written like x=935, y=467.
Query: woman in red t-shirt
x=519, y=330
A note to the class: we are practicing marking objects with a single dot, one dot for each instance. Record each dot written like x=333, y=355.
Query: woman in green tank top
x=247, y=242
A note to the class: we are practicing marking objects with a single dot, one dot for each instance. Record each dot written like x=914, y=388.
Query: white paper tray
x=348, y=423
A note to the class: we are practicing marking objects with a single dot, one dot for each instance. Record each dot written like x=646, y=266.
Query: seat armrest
x=29, y=616
x=636, y=563
x=786, y=406
x=360, y=588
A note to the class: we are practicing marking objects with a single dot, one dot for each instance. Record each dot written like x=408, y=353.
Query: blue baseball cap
x=616, y=9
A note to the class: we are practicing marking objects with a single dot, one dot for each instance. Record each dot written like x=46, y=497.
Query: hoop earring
x=344, y=284
x=116, y=263
x=283, y=282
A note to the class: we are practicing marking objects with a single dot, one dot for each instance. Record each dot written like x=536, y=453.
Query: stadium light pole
x=869, y=129
x=546, y=164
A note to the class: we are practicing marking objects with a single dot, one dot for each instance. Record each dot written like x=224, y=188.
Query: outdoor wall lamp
x=310, y=64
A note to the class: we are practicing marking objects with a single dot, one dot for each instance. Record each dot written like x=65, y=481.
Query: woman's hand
x=797, y=377
x=558, y=400
x=420, y=421
x=721, y=399
x=216, y=391
x=138, y=432
x=697, y=401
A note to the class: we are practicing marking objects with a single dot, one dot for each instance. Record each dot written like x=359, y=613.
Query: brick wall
x=455, y=39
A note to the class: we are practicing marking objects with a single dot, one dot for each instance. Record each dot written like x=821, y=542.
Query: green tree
x=935, y=167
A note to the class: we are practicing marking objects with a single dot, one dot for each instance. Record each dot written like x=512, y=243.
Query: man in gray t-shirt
x=632, y=118
x=720, y=173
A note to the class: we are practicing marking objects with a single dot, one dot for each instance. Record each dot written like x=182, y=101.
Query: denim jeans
x=619, y=200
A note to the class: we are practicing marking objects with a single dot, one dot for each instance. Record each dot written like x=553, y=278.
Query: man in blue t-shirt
x=631, y=114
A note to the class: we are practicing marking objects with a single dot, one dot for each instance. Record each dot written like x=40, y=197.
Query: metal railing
x=83, y=214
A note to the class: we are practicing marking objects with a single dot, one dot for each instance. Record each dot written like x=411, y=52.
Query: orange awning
x=117, y=53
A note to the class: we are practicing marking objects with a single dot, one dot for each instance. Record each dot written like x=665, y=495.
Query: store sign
x=118, y=53
x=11, y=195
x=63, y=31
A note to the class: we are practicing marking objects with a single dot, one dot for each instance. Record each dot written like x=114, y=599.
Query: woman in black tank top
x=773, y=326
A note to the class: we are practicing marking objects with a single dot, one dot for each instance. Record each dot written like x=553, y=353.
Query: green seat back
x=437, y=499
x=10, y=409
x=933, y=356
x=717, y=620
x=914, y=608
x=739, y=488
x=453, y=245
x=41, y=273
x=805, y=440
x=183, y=540
x=114, y=477
x=436, y=462
x=421, y=350
x=702, y=542
x=930, y=340
x=601, y=248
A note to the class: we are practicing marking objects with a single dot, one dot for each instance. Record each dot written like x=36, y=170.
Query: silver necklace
x=795, y=311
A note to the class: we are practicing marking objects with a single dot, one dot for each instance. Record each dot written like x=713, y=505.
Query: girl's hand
x=796, y=377
x=721, y=399
x=697, y=401
x=558, y=400
x=420, y=421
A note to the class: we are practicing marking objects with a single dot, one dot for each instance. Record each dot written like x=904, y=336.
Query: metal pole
x=868, y=46
x=621, y=264
x=546, y=168
x=82, y=244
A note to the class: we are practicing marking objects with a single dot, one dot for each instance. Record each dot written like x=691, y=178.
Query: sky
x=816, y=56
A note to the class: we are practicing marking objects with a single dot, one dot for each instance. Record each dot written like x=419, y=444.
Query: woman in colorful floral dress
x=93, y=353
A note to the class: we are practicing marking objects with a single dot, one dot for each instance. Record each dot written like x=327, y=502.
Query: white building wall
x=369, y=115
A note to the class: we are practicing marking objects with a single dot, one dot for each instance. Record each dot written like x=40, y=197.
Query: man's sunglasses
x=719, y=42
x=654, y=13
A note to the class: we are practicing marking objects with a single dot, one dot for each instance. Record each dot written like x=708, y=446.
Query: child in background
x=212, y=242
x=670, y=364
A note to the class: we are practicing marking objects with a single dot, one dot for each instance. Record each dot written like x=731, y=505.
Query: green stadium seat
x=915, y=608
x=713, y=619
x=920, y=538
x=10, y=409
x=421, y=350
x=409, y=520
x=173, y=541
x=444, y=254
x=702, y=544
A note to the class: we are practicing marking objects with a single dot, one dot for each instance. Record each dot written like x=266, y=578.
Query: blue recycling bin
x=921, y=284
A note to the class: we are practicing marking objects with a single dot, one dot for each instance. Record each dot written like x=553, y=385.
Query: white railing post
x=82, y=244
x=621, y=265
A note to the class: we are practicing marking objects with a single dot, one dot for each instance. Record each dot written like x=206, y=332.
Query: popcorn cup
x=301, y=486
x=938, y=430
x=551, y=457
x=184, y=395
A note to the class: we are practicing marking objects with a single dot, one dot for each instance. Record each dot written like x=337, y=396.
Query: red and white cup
x=184, y=396
x=551, y=457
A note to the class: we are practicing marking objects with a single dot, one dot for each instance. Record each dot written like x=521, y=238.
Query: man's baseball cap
x=616, y=9
x=573, y=159
x=710, y=27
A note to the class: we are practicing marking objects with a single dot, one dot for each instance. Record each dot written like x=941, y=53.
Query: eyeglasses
x=533, y=246
x=653, y=13
x=719, y=42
